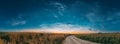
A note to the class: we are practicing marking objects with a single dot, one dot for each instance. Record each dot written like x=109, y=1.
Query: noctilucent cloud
x=79, y=15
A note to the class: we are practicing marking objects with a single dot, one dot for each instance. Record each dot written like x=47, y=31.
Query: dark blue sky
x=103, y=15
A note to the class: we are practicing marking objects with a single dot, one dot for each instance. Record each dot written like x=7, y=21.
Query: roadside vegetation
x=103, y=38
x=30, y=38
x=47, y=38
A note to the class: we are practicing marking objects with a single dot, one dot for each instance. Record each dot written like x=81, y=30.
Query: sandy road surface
x=74, y=40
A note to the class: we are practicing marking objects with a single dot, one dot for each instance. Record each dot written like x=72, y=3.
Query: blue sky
x=90, y=15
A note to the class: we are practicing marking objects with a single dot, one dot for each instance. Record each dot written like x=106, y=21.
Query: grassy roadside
x=103, y=38
x=31, y=38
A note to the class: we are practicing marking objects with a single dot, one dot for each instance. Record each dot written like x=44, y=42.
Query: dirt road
x=74, y=40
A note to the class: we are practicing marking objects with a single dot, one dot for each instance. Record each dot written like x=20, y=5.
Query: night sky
x=51, y=15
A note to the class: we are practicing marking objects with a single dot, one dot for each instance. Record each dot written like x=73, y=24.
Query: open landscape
x=47, y=38
x=59, y=21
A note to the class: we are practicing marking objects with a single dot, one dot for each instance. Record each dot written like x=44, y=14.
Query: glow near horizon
x=60, y=28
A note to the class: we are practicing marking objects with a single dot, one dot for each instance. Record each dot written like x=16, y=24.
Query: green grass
x=103, y=38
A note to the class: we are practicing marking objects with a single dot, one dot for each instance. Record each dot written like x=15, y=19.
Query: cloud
x=60, y=28
x=109, y=18
x=59, y=6
x=117, y=13
x=55, y=16
x=90, y=17
x=18, y=23
x=18, y=20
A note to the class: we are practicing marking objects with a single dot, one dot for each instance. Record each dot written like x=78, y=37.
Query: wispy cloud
x=18, y=23
x=118, y=13
x=59, y=7
x=18, y=20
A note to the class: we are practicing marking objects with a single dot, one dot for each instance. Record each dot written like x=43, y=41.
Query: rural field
x=103, y=38
x=47, y=38
x=30, y=38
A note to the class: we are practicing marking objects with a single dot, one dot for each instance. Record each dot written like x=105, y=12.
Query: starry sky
x=75, y=15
